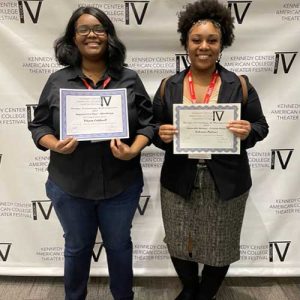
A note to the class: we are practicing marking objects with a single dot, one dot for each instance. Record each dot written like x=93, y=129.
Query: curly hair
x=67, y=53
x=206, y=10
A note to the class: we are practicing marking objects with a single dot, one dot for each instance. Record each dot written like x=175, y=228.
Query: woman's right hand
x=166, y=132
x=66, y=146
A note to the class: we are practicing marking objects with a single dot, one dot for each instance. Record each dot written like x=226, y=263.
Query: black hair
x=206, y=10
x=67, y=53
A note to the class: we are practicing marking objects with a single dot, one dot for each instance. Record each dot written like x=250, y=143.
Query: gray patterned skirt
x=203, y=228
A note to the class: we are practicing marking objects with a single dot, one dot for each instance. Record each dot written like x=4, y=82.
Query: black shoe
x=211, y=280
x=187, y=294
x=197, y=297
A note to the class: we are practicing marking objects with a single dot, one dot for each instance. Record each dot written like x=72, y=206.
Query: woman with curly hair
x=203, y=198
x=94, y=185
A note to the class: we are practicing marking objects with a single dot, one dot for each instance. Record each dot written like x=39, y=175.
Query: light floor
x=148, y=288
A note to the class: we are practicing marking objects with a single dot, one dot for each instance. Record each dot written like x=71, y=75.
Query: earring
x=188, y=57
x=219, y=58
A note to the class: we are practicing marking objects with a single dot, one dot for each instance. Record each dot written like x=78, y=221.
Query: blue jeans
x=80, y=220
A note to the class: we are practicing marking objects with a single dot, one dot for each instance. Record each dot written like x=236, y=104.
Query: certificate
x=93, y=114
x=202, y=128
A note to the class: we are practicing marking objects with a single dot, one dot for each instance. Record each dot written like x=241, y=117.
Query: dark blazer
x=231, y=173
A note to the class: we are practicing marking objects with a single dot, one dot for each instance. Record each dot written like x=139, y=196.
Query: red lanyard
x=105, y=83
x=209, y=89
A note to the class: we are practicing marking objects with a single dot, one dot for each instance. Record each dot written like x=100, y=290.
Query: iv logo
x=284, y=245
x=4, y=250
x=236, y=6
x=41, y=204
x=30, y=112
x=139, y=18
x=97, y=254
x=142, y=209
x=34, y=18
x=218, y=115
x=181, y=62
x=283, y=56
x=279, y=153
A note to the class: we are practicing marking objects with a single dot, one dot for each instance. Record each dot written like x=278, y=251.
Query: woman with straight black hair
x=94, y=185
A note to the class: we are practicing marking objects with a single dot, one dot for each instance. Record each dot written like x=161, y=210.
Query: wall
x=266, y=49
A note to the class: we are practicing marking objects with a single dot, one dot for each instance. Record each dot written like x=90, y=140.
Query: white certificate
x=202, y=128
x=93, y=114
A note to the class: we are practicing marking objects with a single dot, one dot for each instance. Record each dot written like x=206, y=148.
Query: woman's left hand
x=121, y=150
x=240, y=128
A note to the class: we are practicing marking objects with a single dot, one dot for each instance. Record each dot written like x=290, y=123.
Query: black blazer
x=231, y=173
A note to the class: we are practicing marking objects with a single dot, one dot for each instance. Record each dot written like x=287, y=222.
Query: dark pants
x=80, y=220
x=211, y=279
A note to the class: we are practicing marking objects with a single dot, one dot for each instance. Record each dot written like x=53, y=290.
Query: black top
x=231, y=173
x=91, y=171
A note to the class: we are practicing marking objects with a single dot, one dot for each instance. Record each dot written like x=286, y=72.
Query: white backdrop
x=266, y=49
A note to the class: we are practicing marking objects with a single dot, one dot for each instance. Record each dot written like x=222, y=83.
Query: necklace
x=210, y=88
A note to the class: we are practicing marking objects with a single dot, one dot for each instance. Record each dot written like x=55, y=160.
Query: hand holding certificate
x=202, y=129
x=93, y=114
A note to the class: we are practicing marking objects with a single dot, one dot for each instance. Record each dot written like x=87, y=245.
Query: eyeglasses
x=85, y=30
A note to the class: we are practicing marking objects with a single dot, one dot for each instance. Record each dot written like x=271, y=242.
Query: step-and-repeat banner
x=266, y=49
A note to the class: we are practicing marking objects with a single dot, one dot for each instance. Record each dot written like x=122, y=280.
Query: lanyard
x=209, y=89
x=105, y=83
